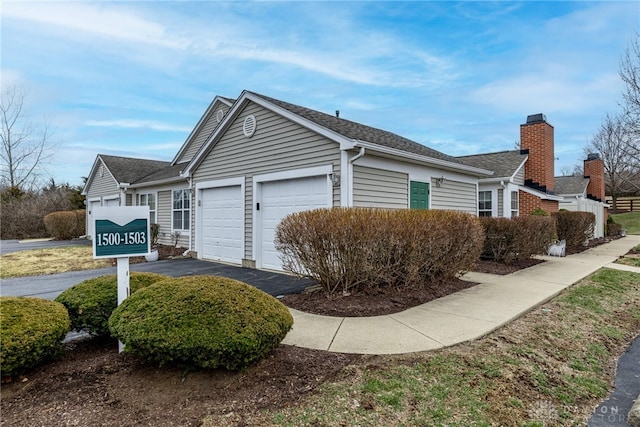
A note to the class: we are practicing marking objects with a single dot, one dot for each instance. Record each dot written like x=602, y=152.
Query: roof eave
x=543, y=196
x=199, y=125
x=423, y=159
x=235, y=110
x=158, y=182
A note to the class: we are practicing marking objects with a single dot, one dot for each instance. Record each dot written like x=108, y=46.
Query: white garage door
x=222, y=224
x=90, y=222
x=281, y=198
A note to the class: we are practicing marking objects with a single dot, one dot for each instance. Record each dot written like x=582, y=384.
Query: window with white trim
x=484, y=203
x=149, y=199
x=515, y=204
x=181, y=212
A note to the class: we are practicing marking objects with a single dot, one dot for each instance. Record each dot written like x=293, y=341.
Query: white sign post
x=121, y=231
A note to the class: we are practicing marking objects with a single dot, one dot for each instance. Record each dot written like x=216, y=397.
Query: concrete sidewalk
x=463, y=316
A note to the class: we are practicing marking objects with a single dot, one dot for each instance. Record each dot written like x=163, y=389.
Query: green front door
x=419, y=198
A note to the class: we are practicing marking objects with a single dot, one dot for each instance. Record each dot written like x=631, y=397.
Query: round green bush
x=90, y=303
x=202, y=321
x=32, y=332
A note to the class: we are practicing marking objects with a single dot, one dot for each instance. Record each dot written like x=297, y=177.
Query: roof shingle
x=503, y=163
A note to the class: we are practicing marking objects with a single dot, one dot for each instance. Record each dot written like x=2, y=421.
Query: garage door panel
x=222, y=224
x=281, y=198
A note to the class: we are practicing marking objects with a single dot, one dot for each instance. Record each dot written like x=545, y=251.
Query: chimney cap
x=536, y=118
x=593, y=156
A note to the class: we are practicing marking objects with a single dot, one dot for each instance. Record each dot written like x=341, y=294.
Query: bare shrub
x=575, y=227
x=65, y=225
x=344, y=248
x=22, y=214
x=509, y=239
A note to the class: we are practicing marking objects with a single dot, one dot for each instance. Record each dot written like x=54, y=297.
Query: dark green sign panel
x=113, y=240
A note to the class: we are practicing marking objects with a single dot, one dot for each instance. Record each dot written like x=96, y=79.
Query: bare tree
x=630, y=75
x=612, y=142
x=26, y=147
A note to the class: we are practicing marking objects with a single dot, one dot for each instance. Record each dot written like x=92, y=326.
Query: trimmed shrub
x=575, y=227
x=345, y=248
x=32, y=332
x=613, y=228
x=202, y=321
x=509, y=239
x=90, y=303
x=539, y=212
x=65, y=225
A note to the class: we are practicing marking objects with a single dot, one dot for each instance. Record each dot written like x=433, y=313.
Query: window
x=484, y=203
x=181, y=209
x=515, y=205
x=149, y=199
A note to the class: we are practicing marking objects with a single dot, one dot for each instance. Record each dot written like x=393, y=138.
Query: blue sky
x=133, y=78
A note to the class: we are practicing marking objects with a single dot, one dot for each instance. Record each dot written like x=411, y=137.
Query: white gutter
x=159, y=182
x=423, y=159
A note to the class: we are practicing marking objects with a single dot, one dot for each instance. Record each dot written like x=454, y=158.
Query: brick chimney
x=594, y=170
x=536, y=137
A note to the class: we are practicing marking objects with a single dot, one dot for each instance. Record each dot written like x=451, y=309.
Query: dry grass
x=552, y=366
x=38, y=262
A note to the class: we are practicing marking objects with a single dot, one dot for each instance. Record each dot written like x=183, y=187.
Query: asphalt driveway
x=50, y=286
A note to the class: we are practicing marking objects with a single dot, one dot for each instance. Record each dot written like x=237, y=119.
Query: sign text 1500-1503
x=127, y=238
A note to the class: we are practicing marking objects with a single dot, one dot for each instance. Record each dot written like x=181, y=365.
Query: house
x=124, y=181
x=524, y=180
x=586, y=193
x=251, y=161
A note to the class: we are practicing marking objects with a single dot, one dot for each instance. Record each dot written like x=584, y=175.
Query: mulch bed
x=94, y=385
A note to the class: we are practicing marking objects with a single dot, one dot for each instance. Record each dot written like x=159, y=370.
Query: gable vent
x=249, y=126
x=219, y=115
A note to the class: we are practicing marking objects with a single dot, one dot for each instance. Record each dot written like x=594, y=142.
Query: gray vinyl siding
x=277, y=145
x=163, y=215
x=500, y=202
x=204, y=133
x=380, y=188
x=454, y=195
x=518, y=178
x=102, y=186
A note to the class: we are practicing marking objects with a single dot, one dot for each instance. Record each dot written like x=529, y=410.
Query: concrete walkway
x=463, y=316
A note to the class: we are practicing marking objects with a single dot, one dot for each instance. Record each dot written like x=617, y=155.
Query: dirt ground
x=94, y=385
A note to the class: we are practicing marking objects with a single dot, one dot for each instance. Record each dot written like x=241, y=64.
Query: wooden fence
x=625, y=204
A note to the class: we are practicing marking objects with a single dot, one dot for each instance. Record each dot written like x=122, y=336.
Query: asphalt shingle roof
x=132, y=170
x=362, y=132
x=570, y=184
x=503, y=163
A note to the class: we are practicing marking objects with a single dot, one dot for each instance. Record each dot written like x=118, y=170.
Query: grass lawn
x=549, y=367
x=629, y=221
x=49, y=261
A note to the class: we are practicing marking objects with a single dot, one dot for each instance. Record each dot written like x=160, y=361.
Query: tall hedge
x=31, y=332
x=345, y=248
x=202, y=321
x=575, y=227
x=510, y=239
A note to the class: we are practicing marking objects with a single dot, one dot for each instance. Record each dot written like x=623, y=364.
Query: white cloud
x=101, y=20
x=138, y=124
x=547, y=92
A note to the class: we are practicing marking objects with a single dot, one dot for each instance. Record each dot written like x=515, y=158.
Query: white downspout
x=351, y=161
x=192, y=213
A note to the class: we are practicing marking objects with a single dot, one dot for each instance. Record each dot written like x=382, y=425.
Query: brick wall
x=594, y=169
x=529, y=203
x=536, y=136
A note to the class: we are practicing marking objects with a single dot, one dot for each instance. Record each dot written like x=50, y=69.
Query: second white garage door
x=281, y=198
x=222, y=224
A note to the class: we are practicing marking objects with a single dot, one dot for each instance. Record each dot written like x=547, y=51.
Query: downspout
x=351, y=161
x=193, y=215
x=504, y=200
